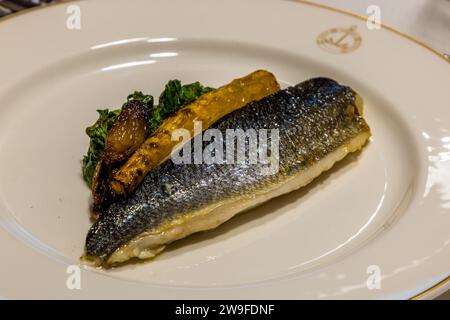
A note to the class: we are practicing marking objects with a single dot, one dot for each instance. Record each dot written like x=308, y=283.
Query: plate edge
x=424, y=294
x=306, y=2
x=385, y=26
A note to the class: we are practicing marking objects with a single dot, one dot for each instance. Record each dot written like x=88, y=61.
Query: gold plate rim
x=417, y=41
x=306, y=2
x=387, y=27
x=430, y=290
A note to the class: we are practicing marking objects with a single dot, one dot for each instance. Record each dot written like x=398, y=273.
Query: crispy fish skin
x=319, y=123
x=208, y=108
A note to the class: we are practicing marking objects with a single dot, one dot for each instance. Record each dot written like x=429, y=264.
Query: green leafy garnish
x=97, y=133
x=174, y=97
x=139, y=96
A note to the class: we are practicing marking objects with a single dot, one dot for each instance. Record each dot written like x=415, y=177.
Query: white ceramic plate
x=386, y=209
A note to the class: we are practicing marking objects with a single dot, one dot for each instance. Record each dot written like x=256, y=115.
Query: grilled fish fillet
x=319, y=123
